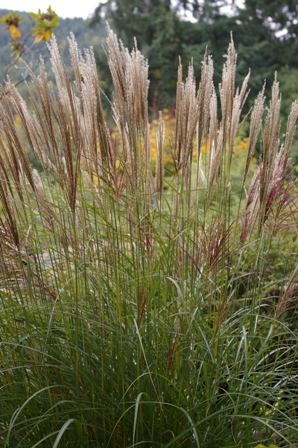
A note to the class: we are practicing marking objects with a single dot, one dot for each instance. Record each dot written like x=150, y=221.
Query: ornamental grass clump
x=140, y=309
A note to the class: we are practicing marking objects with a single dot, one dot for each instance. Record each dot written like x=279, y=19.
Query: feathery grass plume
x=13, y=149
x=213, y=136
x=130, y=109
x=9, y=259
x=291, y=127
x=7, y=201
x=67, y=113
x=216, y=158
x=289, y=298
x=280, y=194
x=225, y=133
x=255, y=127
x=160, y=143
x=48, y=214
x=204, y=97
x=267, y=185
x=276, y=183
x=227, y=89
x=76, y=60
x=238, y=103
x=147, y=160
x=130, y=78
x=65, y=135
x=186, y=122
x=186, y=118
x=177, y=149
x=85, y=121
x=39, y=132
x=284, y=209
x=217, y=251
x=35, y=127
x=62, y=77
x=252, y=207
x=40, y=126
x=94, y=125
x=270, y=143
x=71, y=156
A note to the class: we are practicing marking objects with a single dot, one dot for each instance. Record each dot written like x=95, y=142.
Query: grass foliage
x=142, y=310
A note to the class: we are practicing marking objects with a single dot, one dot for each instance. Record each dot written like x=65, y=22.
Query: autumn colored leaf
x=14, y=32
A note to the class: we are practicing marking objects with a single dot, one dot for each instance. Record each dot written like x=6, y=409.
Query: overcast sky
x=64, y=8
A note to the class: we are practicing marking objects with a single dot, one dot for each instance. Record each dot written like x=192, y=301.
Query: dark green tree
x=163, y=33
x=278, y=21
x=266, y=37
x=279, y=16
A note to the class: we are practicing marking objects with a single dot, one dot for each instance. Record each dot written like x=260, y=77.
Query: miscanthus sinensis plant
x=140, y=309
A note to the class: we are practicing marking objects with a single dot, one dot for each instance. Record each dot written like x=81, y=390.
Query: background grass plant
x=139, y=309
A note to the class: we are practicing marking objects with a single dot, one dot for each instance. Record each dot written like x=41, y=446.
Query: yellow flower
x=46, y=23
x=14, y=32
x=12, y=21
x=42, y=35
x=263, y=446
